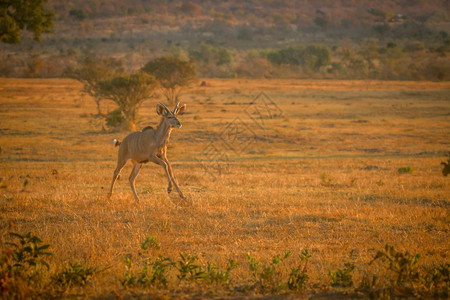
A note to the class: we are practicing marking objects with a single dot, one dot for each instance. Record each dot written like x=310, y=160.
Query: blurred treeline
x=344, y=39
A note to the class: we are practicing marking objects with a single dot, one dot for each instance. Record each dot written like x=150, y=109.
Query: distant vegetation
x=173, y=74
x=391, y=40
x=16, y=16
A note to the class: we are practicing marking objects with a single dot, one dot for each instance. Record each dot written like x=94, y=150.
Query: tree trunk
x=99, y=110
x=133, y=126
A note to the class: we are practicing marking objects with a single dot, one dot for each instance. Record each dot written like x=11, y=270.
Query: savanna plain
x=337, y=168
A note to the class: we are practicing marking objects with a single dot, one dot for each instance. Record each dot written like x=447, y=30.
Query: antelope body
x=149, y=145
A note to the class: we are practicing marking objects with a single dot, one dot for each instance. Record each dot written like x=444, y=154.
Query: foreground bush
x=25, y=274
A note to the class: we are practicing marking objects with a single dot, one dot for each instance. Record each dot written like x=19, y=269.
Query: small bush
x=74, y=274
x=414, y=46
x=151, y=242
x=22, y=266
x=115, y=119
x=326, y=180
x=78, y=14
x=155, y=273
x=187, y=268
x=343, y=277
x=219, y=277
x=130, y=279
x=28, y=254
x=404, y=278
x=405, y=170
x=298, y=276
x=269, y=278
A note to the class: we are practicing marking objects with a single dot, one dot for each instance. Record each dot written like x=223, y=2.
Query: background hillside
x=391, y=39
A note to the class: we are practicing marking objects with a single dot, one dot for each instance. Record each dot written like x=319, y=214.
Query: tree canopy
x=19, y=15
x=93, y=69
x=128, y=92
x=311, y=58
x=173, y=75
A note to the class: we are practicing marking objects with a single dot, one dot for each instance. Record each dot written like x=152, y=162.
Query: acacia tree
x=173, y=74
x=128, y=92
x=91, y=71
x=316, y=57
x=369, y=51
x=17, y=15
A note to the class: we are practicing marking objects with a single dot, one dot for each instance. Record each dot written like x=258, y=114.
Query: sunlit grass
x=323, y=177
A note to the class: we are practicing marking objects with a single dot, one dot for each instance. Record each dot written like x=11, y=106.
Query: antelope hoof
x=169, y=190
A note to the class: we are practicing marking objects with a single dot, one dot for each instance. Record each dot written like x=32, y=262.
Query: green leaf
x=14, y=234
x=43, y=247
x=11, y=244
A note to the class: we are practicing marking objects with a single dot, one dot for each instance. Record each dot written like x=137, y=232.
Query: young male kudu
x=149, y=145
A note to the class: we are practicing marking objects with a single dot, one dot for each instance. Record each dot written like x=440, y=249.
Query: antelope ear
x=181, y=110
x=161, y=109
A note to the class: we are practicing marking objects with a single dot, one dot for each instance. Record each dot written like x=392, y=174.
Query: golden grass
x=322, y=177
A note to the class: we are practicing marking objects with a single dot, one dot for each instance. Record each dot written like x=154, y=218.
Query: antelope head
x=171, y=116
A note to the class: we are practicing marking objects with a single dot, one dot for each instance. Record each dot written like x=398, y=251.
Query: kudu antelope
x=149, y=145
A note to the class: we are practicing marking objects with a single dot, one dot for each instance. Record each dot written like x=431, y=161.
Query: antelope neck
x=163, y=132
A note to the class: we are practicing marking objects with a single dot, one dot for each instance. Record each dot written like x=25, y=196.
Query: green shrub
x=404, y=278
x=187, y=268
x=74, y=274
x=115, y=119
x=130, y=278
x=155, y=273
x=298, y=276
x=151, y=242
x=219, y=277
x=28, y=254
x=269, y=277
x=343, y=277
x=405, y=170
x=22, y=266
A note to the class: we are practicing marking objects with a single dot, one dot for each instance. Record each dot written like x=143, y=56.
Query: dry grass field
x=313, y=165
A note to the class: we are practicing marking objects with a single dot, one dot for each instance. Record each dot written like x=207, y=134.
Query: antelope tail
x=117, y=142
